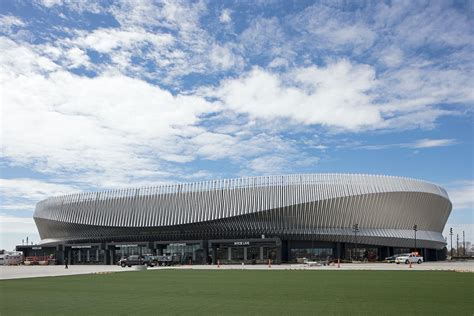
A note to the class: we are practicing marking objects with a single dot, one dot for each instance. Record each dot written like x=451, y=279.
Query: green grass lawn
x=243, y=292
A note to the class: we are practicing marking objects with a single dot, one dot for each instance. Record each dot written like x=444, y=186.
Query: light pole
x=457, y=245
x=451, y=234
x=415, y=228
x=463, y=243
x=355, y=229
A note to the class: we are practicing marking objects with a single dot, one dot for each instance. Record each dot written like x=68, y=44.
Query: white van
x=10, y=259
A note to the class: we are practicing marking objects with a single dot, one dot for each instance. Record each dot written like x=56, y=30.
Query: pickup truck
x=135, y=260
x=409, y=257
x=164, y=260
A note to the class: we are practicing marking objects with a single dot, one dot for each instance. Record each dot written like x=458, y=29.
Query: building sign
x=120, y=246
x=177, y=245
x=80, y=247
x=241, y=243
x=36, y=248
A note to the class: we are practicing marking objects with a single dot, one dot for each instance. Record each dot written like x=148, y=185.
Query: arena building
x=252, y=220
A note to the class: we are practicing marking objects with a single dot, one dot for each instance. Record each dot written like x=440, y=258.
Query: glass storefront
x=185, y=253
x=126, y=250
x=253, y=254
x=87, y=255
x=248, y=252
x=362, y=253
x=237, y=254
x=319, y=254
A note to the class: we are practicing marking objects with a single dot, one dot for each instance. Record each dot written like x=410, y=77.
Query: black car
x=135, y=260
x=391, y=259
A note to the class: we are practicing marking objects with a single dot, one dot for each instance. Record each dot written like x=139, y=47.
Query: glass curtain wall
x=185, y=253
x=123, y=251
x=362, y=253
x=92, y=255
x=317, y=254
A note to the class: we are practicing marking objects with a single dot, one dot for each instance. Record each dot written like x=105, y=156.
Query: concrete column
x=205, y=246
x=338, y=250
x=111, y=256
x=229, y=253
x=214, y=254
x=261, y=253
x=285, y=251
x=245, y=254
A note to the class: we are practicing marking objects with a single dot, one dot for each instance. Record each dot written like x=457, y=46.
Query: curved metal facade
x=294, y=207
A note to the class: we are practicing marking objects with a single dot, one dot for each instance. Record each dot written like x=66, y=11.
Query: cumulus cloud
x=108, y=123
x=336, y=95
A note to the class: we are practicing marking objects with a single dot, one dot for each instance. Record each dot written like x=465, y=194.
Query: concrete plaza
x=18, y=272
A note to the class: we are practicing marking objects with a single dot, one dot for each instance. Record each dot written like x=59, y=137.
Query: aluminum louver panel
x=312, y=205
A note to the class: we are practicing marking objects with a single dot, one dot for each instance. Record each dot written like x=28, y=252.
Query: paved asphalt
x=18, y=272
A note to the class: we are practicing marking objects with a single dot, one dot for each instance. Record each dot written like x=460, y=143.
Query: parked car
x=391, y=259
x=164, y=260
x=135, y=260
x=407, y=258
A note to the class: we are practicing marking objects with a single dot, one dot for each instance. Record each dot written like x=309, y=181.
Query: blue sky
x=112, y=94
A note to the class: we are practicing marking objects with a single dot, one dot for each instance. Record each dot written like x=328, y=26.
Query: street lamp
x=463, y=243
x=355, y=229
x=457, y=245
x=451, y=234
x=415, y=228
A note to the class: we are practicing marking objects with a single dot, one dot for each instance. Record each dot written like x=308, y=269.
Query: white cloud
x=434, y=24
x=391, y=56
x=336, y=95
x=222, y=57
x=33, y=189
x=107, y=40
x=278, y=163
x=278, y=62
x=9, y=22
x=428, y=143
x=265, y=36
x=225, y=16
x=78, y=58
x=51, y=3
x=110, y=123
x=330, y=27
x=417, y=144
x=12, y=224
x=461, y=194
x=22, y=194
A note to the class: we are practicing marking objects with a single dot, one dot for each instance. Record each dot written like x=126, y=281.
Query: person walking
x=65, y=263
